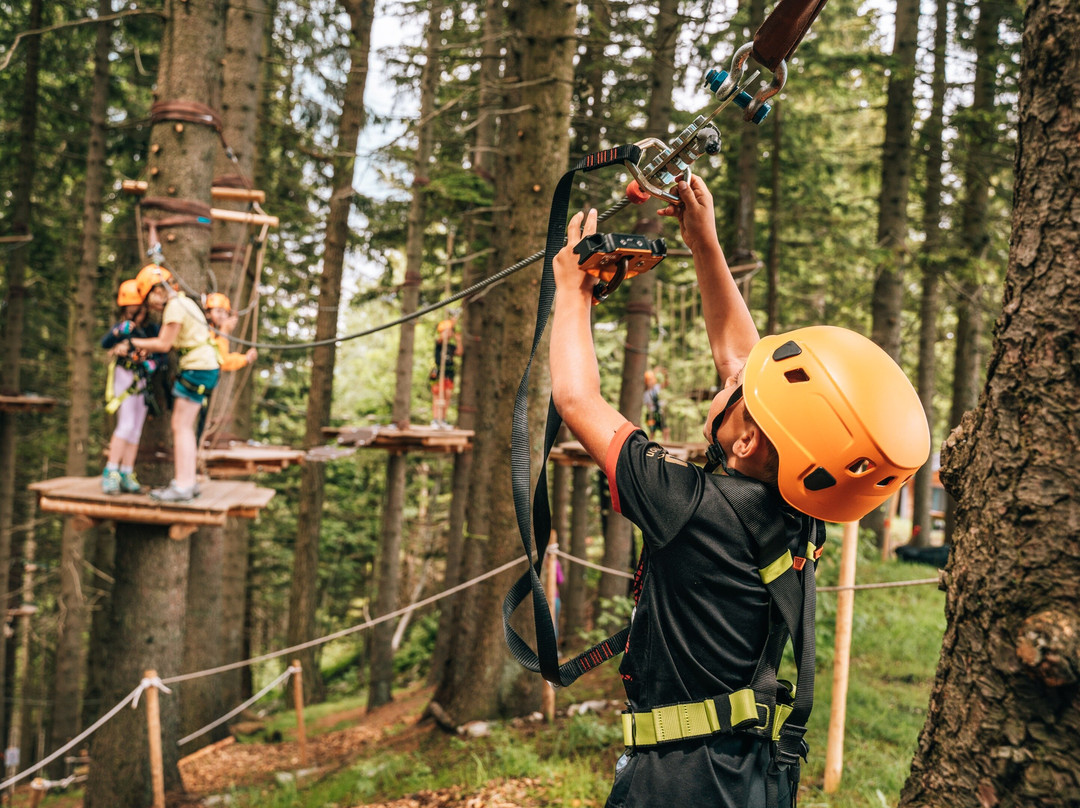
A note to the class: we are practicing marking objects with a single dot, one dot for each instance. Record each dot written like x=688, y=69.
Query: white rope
x=78, y=739
x=345, y=631
x=146, y=684
x=40, y=784
x=289, y=671
x=590, y=564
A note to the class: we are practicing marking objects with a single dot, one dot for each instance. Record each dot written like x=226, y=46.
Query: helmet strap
x=715, y=455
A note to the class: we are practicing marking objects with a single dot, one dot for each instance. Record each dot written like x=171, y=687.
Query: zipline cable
x=468, y=292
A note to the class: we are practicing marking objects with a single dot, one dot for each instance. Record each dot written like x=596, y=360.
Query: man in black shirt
x=801, y=436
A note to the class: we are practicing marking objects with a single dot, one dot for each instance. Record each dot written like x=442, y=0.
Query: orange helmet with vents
x=444, y=326
x=847, y=425
x=216, y=300
x=128, y=294
x=149, y=277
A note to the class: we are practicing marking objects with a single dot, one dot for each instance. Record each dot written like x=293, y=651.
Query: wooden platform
x=572, y=453
x=82, y=497
x=244, y=459
x=412, y=438
x=26, y=403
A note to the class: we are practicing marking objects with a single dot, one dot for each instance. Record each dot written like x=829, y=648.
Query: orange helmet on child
x=149, y=277
x=128, y=294
x=216, y=300
x=444, y=326
x=847, y=425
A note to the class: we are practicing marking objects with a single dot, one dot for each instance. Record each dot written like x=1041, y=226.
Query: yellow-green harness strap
x=113, y=401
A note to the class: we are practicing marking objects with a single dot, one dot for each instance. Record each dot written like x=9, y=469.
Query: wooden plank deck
x=413, y=438
x=243, y=460
x=83, y=497
x=27, y=403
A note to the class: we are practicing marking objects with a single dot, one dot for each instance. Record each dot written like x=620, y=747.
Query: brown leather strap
x=783, y=30
x=186, y=111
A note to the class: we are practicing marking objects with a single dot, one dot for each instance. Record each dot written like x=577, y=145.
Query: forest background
x=877, y=196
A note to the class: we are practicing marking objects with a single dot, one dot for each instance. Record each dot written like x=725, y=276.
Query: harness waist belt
x=735, y=712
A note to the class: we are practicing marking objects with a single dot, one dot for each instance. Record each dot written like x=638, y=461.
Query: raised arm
x=730, y=327
x=575, y=376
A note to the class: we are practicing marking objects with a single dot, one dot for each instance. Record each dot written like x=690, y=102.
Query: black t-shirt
x=701, y=621
x=451, y=351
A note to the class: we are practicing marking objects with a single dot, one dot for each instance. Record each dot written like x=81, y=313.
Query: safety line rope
x=289, y=671
x=468, y=292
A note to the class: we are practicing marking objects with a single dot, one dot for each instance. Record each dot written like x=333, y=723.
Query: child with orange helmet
x=126, y=386
x=221, y=316
x=183, y=327
x=817, y=424
x=447, y=349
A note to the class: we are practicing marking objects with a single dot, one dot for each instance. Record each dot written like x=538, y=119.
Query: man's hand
x=697, y=219
x=568, y=274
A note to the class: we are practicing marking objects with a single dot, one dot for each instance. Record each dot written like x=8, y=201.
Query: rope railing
x=289, y=671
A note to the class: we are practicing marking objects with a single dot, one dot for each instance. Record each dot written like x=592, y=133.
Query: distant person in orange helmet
x=815, y=424
x=183, y=327
x=221, y=316
x=447, y=348
x=129, y=375
x=654, y=408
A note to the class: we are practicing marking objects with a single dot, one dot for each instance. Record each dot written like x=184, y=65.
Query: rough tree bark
x=481, y=678
x=149, y=596
x=1004, y=719
x=64, y=723
x=303, y=591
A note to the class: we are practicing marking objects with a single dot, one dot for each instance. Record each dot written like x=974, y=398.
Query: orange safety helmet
x=128, y=294
x=444, y=326
x=149, y=277
x=847, y=425
x=216, y=300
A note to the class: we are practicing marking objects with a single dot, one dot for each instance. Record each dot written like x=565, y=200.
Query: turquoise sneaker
x=129, y=483
x=110, y=481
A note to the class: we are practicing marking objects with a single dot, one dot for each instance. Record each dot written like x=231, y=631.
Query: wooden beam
x=138, y=187
x=243, y=217
x=128, y=513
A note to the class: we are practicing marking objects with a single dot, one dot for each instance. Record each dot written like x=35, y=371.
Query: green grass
x=895, y=646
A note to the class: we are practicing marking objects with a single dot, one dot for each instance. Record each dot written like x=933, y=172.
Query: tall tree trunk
x=588, y=121
x=149, y=597
x=618, y=534
x=64, y=721
x=218, y=567
x=386, y=599
x=931, y=267
x=573, y=594
x=535, y=148
x=303, y=592
x=980, y=135
x=1004, y=717
x=14, y=312
x=888, y=300
x=471, y=324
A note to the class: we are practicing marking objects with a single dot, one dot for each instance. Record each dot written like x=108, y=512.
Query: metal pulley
x=614, y=257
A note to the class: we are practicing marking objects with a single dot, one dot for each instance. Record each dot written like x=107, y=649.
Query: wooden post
x=845, y=609
x=891, y=510
x=37, y=792
x=550, y=585
x=153, y=731
x=298, y=700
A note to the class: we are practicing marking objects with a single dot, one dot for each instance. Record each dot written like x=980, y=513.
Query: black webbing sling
x=534, y=517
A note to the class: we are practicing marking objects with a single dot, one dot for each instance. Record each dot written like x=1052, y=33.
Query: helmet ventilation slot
x=819, y=479
x=864, y=465
x=796, y=375
x=886, y=481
